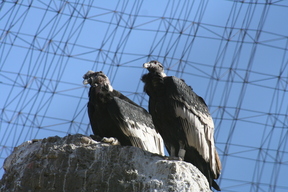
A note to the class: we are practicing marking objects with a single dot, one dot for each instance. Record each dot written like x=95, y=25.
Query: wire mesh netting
x=233, y=54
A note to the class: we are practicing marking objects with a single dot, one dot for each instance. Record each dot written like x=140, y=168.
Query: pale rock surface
x=78, y=163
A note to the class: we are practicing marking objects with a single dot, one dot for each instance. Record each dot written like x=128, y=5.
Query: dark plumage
x=113, y=115
x=183, y=120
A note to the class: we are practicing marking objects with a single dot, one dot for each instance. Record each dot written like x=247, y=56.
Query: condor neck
x=104, y=89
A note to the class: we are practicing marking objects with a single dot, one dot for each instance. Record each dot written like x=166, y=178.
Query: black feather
x=179, y=114
x=112, y=114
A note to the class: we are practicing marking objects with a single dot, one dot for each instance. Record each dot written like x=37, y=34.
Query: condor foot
x=173, y=158
x=110, y=140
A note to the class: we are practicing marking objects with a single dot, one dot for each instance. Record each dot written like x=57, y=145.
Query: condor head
x=155, y=67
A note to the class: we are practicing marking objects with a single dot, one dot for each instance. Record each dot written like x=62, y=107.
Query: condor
x=183, y=120
x=116, y=118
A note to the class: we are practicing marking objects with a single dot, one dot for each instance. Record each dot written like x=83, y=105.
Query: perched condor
x=183, y=120
x=116, y=118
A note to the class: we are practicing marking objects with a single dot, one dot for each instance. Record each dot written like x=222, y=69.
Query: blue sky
x=233, y=54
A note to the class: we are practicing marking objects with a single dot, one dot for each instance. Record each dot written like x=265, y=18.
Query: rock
x=78, y=163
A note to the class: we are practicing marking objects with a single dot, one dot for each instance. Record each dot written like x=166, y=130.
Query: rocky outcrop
x=78, y=163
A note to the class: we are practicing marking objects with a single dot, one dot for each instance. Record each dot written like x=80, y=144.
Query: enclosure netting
x=233, y=54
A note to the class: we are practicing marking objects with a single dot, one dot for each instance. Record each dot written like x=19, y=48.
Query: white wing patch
x=199, y=130
x=145, y=137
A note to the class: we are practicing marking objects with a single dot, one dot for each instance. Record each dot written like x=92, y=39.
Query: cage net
x=233, y=54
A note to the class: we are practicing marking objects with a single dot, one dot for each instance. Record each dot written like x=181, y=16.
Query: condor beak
x=146, y=65
x=85, y=81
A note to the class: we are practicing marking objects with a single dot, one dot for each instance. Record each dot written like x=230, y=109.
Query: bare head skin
x=155, y=67
x=98, y=80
